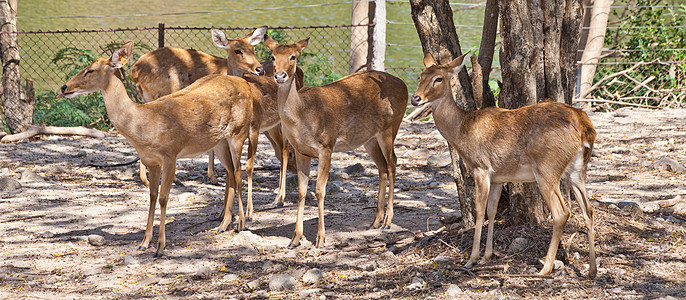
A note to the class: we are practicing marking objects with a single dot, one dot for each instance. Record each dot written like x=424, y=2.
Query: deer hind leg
x=284, y=151
x=142, y=174
x=322, y=178
x=560, y=213
x=154, y=188
x=482, y=182
x=579, y=187
x=168, y=174
x=374, y=150
x=211, y=174
x=250, y=165
x=236, y=148
x=224, y=154
x=303, y=163
x=386, y=144
x=491, y=209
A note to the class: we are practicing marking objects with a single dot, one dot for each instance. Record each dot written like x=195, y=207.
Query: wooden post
x=160, y=35
x=379, y=47
x=359, y=36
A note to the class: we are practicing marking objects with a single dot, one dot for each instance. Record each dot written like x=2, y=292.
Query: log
x=36, y=130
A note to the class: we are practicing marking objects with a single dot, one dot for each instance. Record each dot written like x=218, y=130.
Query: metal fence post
x=160, y=36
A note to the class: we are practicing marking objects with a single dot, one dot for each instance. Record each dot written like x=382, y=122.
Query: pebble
x=255, y=284
x=231, y=277
x=649, y=207
x=679, y=208
x=443, y=260
x=96, y=240
x=307, y=293
x=558, y=264
x=453, y=291
x=8, y=184
x=130, y=261
x=354, y=169
x=419, y=154
x=668, y=164
x=313, y=275
x=450, y=218
x=281, y=282
x=47, y=234
x=418, y=283
x=519, y=244
x=672, y=219
x=439, y=160
x=204, y=273
x=28, y=176
x=165, y=281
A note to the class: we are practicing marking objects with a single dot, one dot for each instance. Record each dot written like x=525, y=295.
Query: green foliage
x=318, y=69
x=73, y=60
x=262, y=52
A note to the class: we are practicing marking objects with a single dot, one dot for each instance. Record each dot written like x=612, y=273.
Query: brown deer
x=216, y=112
x=537, y=143
x=166, y=70
x=364, y=108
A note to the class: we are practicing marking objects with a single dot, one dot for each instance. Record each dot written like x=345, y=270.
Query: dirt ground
x=45, y=226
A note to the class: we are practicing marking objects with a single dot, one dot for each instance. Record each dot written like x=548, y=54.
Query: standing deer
x=364, y=108
x=216, y=112
x=537, y=143
x=166, y=70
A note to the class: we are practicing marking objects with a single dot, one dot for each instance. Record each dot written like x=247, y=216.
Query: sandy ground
x=45, y=226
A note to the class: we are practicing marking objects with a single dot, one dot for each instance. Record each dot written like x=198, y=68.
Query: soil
x=46, y=252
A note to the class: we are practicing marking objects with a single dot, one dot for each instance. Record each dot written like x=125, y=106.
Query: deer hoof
x=292, y=246
x=158, y=254
x=277, y=204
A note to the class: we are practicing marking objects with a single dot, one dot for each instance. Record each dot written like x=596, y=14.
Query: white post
x=359, y=40
x=379, y=36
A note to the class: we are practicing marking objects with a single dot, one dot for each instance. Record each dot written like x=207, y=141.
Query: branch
x=597, y=84
x=36, y=130
x=615, y=102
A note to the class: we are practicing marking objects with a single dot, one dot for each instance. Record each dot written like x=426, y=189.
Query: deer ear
x=429, y=60
x=302, y=44
x=270, y=43
x=257, y=36
x=121, y=56
x=458, y=63
x=219, y=38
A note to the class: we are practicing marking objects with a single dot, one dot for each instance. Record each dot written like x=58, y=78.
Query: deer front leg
x=142, y=174
x=481, y=195
x=210, y=167
x=168, y=175
x=224, y=154
x=374, y=150
x=322, y=178
x=236, y=148
x=250, y=165
x=491, y=209
x=303, y=164
x=154, y=188
x=560, y=213
x=281, y=195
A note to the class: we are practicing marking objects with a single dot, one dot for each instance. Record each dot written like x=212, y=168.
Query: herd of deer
x=197, y=102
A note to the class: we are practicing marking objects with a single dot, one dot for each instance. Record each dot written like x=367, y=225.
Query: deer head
x=98, y=74
x=285, y=57
x=434, y=82
x=240, y=52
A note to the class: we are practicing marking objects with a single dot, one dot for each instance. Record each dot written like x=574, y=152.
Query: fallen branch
x=419, y=113
x=22, y=219
x=36, y=130
x=615, y=102
x=126, y=163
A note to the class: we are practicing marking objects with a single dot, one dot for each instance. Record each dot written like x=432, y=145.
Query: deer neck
x=120, y=109
x=447, y=115
x=288, y=94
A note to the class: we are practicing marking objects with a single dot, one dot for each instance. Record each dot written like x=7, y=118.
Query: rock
x=558, y=264
x=418, y=283
x=419, y=154
x=281, y=282
x=439, y=160
x=186, y=197
x=130, y=172
x=631, y=209
x=230, y=277
x=313, y=275
x=81, y=153
x=204, y=273
x=450, y=218
x=292, y=180
x=388, y=258
x=47, y=234
x=668, y=164
x=28, y=176
x=672, y=219
x=453, y=291
x=679, y=208
x=518, y=245
x=357, y=168
x=4, y=171
x=8, y=184
x=96, y=240
x=165, y=281
x=271, y=267
x=307, y=293
x=443, y=260
x=649, y=207
x=130, y=261
x=255, y=284
x=334, y=187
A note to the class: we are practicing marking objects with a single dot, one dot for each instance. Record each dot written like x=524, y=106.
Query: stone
x=334, y=187
x=8, y=184
x=28, y=176
x=96, y=240
x=450, y=218
x=309, y=292
x=186, y=197
x=649, y=207
x=558, y=264
x=417, y=283
x=130, y=261
x=81, y=153
x=679, y=208
x=439, y=160
x=204, y=273
x=281, y=282
x=631, y=209
x=165, y=281
x=672, y=219
x=518, y=245
x=47, y=234
x=668, y=164
x=255, y=284
x=313, y=276
x=230, y=277
x=419, y=154
x=357, y=168
x=453, y=291
x=443, y=260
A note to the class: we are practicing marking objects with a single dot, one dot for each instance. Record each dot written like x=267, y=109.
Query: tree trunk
x=486, y=51
x=594, y=44
x=434, y=22
x=359, y=37
x=18, y=111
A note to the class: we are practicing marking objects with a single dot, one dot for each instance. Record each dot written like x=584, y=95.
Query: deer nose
x=64, y=88
x=259, y=71
x=280, y=77
x=415, y=100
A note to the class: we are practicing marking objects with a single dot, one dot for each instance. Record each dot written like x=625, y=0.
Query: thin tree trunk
x=594, y=45
x=18, y=111
x=434, y=22
x=571, y=37
x=486, y=50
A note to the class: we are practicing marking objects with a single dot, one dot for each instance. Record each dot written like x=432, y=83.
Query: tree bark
x=486, y=50
x=18, y=111
x=434, y=22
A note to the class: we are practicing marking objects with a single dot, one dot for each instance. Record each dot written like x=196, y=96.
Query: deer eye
x=438, y=80
x=292, y=57
x=87, y=72
x=239, y=52
x=273, y=58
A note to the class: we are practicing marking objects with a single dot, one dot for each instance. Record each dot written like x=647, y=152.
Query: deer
x=539, y=143
x=215, y=112
x=166, y=70
x=362, y=109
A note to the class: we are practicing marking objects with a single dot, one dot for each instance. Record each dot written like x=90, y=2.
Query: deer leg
x=322, y=177
x=579, y=187
x=303, y=163
x=386, y=145
x=168, y=174
x=491, y=209
x=224, y=154
x=236, y=147
x=560, y=213
x=143, y=176
x=210, y=167
x=154, y=188
x=249, y=166
x=481, y=196
x=374, y=150
x=281, y=195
